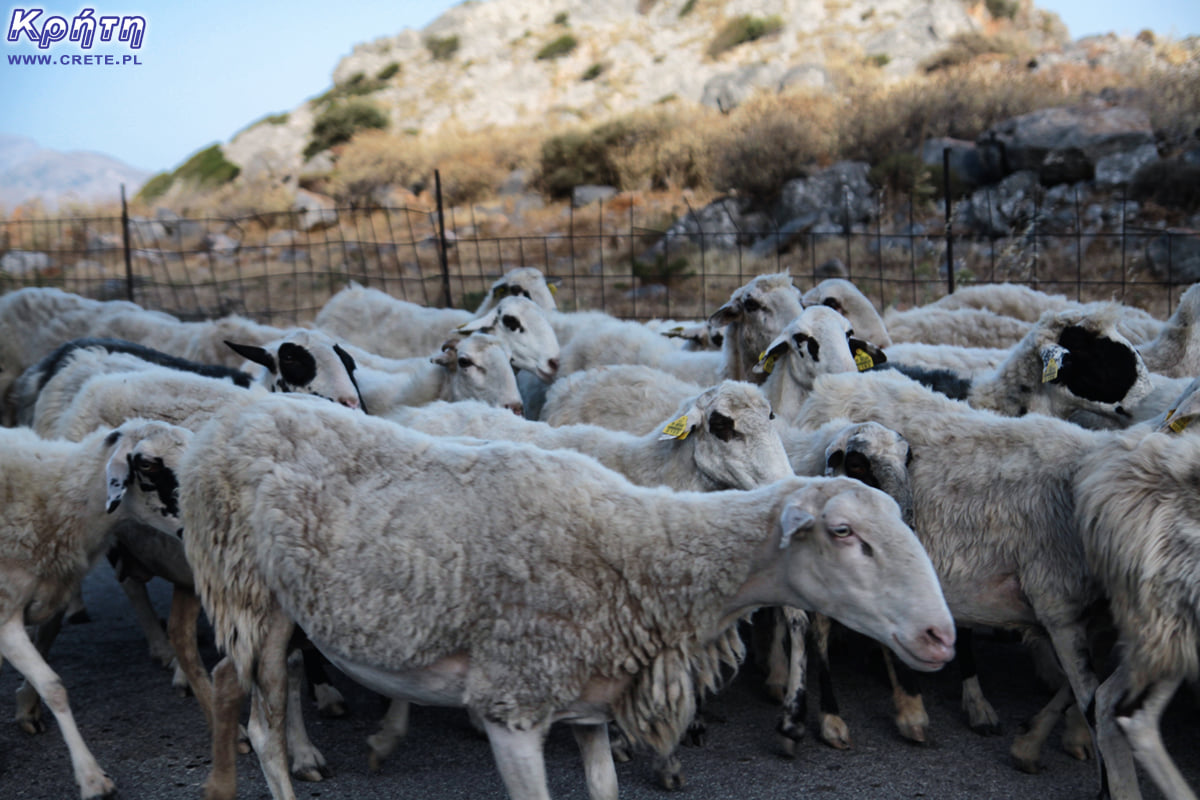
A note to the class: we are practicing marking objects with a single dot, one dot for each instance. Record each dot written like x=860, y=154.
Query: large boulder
x=842, y=191
x=1064, y=144
x=1175, y=256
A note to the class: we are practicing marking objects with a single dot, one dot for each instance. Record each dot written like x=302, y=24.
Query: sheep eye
x=840, y=531
x=465, y=362
x=750, y=304
x=143, y=464
x=771, y=415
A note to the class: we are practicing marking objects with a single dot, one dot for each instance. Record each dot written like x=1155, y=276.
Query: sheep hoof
x=696, y=734
x=101, y=788
x=619, y=744
x=835, y=732
x=913, y=731
x=313, y=774
x=1077, y=739
x=776, y=692
x=374, y=762
x=330, y=702
x=670, y=773
x=33, y=725
x=788, y=746
x=1025, y=755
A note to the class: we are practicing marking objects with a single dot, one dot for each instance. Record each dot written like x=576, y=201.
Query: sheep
x=645, y=572
x=475, y=367
x=633, y=398
x=1135, y=507
x=1004, y=536
x=753, y=317
x=31, y=382
x=1174, y=351
x=35, y=320
x=1009, y=299
x=196, y=341
x=395, y=328
x=62, y=504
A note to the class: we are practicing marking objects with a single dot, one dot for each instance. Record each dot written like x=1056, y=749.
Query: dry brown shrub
x=772, y=139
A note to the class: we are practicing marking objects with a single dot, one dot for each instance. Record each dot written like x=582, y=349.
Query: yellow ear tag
x=766, y=362
x=679, y=428
x=863, y=360
x=1179, y=423
x=553, y=289
x=1051, y=370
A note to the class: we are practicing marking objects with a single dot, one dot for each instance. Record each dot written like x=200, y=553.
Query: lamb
x=63, y=503
x=633, y=398
x=753, y=317
x=457, y=583
x=380, y=323
x=1005, y=539
x=475, y=367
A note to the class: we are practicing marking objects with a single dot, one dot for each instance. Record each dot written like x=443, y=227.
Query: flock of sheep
x=563, y=517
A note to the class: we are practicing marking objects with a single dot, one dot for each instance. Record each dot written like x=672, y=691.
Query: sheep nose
x=941, y=642
x=516, y=408
x=553, y=363
x=349, y=402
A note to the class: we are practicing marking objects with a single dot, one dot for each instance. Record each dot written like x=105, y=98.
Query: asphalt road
x=153, y=743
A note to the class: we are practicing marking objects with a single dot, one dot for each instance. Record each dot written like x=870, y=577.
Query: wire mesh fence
x=281, y=267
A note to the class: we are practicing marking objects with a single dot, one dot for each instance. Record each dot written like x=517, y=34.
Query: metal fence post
x=949, y=221
x=441, y=218
x=125, y=245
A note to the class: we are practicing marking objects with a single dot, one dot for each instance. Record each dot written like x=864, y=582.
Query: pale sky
x=208, y=69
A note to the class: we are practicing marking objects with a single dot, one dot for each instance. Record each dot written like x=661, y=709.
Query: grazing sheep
x=63, y=503
x=380, y=323
x=754, y=315
x=475, y=367
x=461, y=604
x=1003, y=536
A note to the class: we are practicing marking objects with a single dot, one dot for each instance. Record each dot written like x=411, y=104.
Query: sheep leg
x=912, y=720
x=330, y=702
x=1076, y=740
x=147, y=620
x=777, y=661
x=981, y=717
x=29, y=705
x=181, y=628
x=597, y=760
x=1120, y=776
x=307, y=762
x=1140, y=724
x=792, y=717
x=519, y=758
x=268, y=707
x=1071, y=646
x=18, y=649
x=834, y=731
x=226, y=705
x=392, y=728
x=1027, y=748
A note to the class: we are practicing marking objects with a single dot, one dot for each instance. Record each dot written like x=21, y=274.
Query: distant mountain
x=28, y=171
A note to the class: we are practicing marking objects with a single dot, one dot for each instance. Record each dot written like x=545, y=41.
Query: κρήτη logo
x=84, y=29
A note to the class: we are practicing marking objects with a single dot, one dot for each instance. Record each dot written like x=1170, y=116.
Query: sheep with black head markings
x=64, y=501
x=645, y=571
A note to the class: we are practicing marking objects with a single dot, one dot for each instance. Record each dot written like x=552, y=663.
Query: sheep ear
x=794, y=521
x=866, y=355
x=117, y=470
x=254, y=353
x=449, y=354
x=766, y=360
x=1053, y=358
x=680, y=428
x=730, y=312
x=484, y=323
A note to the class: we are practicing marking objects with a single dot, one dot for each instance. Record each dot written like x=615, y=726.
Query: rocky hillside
x=516, y=62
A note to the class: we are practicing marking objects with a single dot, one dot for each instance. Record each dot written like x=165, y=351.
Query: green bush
x=338, y=124
x=879, y=60
x=356, y=85
x=757, y=156
x=207, y=168
x=903, y=172
x=596, y=156
x=155, y=188
x=662, y=271
x=592, y=72
x=442, y=48
x=688, y=8
x=387, y=72
x=561, y=18
x=559, y=47
x=740, y=30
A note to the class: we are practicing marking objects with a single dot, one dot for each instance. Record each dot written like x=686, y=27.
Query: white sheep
x=1175, y=351
x=1003, y=535
x=382, y=324
x=1137, y=513
x=752, y=318
x=63, y=502
x=633, y=398
x=202, y=341
x=461, y=603
x=475, y=367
